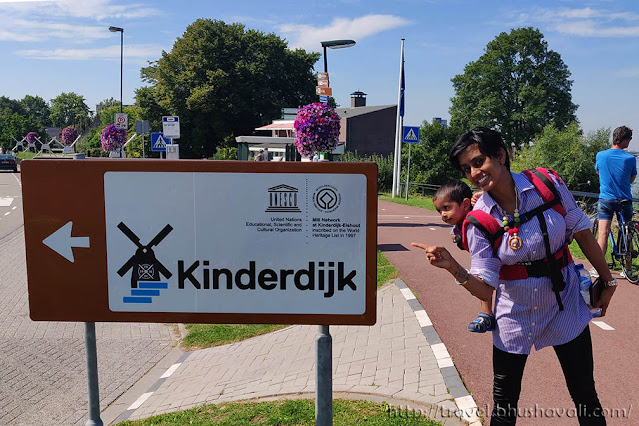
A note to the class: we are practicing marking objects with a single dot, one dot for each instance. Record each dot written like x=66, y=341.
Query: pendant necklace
x=514, y=240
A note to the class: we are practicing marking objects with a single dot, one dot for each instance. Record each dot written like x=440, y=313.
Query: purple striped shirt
x=526, y=310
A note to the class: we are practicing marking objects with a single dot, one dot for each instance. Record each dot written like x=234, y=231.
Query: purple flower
x=31, y=137
x=317, y=127
x=69, y=135
x=112, y=138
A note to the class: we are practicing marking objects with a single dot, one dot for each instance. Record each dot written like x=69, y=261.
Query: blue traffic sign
x=410, y=134
x=158, y=142
x=323, y=99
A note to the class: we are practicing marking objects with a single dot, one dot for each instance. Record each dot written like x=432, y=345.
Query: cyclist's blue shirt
x=615, y=167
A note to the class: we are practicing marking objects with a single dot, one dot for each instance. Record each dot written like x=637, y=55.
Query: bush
x=97, y=152
x=225, y=154
x=384, y=168
x=568, y=152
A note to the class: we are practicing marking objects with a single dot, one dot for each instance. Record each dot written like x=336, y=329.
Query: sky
x=50, y=47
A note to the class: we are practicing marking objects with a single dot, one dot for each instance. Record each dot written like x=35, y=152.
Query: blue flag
x=401, y=92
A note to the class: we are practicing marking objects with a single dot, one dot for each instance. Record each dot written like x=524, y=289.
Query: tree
x=518, y=86
x=69, y=109
x=37, y=109
x=106, y=104
x=15, y=123
x=223, y=81
x=569, y=152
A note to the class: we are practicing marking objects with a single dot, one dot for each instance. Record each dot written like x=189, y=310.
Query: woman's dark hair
x=621, y=134
x=488, y=141
x=456, y=190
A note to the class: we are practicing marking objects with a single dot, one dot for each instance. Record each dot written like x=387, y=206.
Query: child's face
x=451, y=211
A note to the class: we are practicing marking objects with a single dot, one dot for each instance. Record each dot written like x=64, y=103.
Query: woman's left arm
x=591, y=249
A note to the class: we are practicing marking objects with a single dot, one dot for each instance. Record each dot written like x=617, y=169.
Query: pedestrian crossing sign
x=410, y=134
x=158, y=142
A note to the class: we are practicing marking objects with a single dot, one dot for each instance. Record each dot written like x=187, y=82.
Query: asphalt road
x=42, y=364
x=451, y=308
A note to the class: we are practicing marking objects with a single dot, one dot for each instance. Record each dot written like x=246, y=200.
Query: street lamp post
x=323, y=341
x=335, y=44
x=121, y=31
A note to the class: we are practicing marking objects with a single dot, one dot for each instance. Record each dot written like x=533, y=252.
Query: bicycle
x=625, y=247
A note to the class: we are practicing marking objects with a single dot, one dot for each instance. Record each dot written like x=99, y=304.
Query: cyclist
x=617, y=169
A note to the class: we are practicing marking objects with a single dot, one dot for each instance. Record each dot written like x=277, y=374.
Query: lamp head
x=116, y=29
x=338, y=44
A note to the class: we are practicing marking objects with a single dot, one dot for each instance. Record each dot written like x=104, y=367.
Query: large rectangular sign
x=323, y=91
x=201, y=241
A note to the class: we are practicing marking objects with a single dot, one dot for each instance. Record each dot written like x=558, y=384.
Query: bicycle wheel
x=631, y=253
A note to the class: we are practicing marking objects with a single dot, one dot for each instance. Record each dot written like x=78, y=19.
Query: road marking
x=140, y=401
x=602, y=325
x=422, y=318
x=432, y=229
x=170, y=371
x=6, y=201
x=408, y=295
x=7, y=213
x=14, y=207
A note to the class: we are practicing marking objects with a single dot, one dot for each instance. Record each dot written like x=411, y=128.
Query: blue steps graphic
x=145, y=292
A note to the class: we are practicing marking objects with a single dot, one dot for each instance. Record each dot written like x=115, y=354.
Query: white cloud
x=309, y=37
x=139, y=52
x=99, y=10
x=584, y=22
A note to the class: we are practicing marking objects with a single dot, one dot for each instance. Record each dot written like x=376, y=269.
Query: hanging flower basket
x=31, y=137
x=69, y=135
x=317, y=128
x=112, y=138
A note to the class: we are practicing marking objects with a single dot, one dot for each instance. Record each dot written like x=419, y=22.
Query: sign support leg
x=324, y=377
x=92, y=375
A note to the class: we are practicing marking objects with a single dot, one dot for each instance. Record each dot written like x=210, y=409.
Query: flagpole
x=399, y=124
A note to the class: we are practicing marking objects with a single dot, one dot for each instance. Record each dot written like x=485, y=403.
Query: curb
x=463, y=399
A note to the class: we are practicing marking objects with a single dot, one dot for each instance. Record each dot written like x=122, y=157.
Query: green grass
x=24, y=155
x=423, y=201
x=207, y=335
x=385, y=270
x=287, y=412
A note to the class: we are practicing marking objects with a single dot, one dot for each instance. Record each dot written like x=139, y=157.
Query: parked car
x=8, y=162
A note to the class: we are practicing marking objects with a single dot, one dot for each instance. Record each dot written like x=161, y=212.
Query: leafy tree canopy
x=37, y=109
x=224, y=80
x=70, y=109
x=518, y=86
x=106, y=103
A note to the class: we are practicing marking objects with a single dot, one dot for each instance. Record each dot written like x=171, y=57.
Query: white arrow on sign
x=62, y=242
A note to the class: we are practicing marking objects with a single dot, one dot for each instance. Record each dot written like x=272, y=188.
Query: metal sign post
x=410, y=135
x=324, y=377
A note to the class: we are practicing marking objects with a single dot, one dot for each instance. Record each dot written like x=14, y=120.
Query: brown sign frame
x=60, y=290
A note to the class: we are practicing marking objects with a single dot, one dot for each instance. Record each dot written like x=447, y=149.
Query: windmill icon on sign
x=144, y=265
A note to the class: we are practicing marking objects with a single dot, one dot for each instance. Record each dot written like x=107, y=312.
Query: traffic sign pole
x=407, y=172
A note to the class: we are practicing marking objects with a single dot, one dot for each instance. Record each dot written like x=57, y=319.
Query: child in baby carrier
x=453, y=201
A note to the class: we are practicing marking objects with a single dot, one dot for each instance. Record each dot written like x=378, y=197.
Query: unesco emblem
x=326, y=198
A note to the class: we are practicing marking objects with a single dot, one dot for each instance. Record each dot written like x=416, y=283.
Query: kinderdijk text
x=319, y=276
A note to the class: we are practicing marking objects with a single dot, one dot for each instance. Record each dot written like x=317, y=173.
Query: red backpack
x=492, y=229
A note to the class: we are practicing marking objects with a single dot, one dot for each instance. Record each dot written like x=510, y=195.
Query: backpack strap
x=488, y=225
x=540, y=178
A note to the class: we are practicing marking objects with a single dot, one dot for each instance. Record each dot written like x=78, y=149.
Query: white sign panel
x=285, y=243
x=171, y=127
x=173, y=151
x=121, y=120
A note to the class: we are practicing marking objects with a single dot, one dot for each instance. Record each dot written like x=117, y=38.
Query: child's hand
x=437, y=256
x=476, y=196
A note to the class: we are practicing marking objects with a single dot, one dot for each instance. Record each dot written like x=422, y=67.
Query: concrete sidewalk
x=400, y=360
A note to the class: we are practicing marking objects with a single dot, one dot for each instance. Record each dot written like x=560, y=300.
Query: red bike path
x=544, y=397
